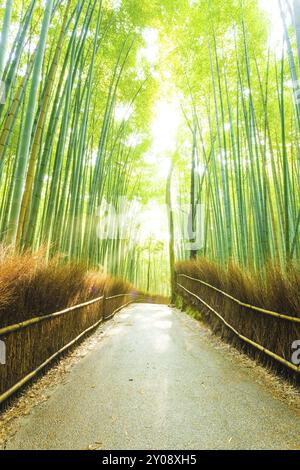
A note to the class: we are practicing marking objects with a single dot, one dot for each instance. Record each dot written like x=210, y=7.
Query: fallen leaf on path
x=95, y=446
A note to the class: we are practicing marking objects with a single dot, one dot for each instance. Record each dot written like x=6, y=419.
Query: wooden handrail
x=18, y=326
x=243, y=304
x=33, y=373
x=242, y=337
x=32, y=321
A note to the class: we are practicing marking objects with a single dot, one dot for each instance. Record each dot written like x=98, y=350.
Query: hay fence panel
x=243, y=304
x=33, y=344
x=244, y=338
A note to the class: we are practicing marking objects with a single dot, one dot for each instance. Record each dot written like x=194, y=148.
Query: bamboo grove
x=244, y=132
x=67, y=67
x=61, y=150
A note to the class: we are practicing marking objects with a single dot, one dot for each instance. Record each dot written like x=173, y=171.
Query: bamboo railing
x=268, y=313
x=33, y=344
x=243, y=304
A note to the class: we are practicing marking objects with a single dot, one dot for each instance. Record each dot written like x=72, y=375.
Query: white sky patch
x=161, y=165
x=164, y=167
x=201, y=169
x=150, y=36
x=122, y=112
x=153, y=224
x=31, y=46
x=165, y=125
x=133, y=140
x=164, y=128
x=133, y=219
x=93, y=158
x=22, y=70
x=272, y=10
x=116, y=4
x=150, y=51
x=149, y=158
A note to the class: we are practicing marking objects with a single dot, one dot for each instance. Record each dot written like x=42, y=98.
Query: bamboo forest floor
x=155, y=378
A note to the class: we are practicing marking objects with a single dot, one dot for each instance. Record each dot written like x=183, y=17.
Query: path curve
x=154, y=381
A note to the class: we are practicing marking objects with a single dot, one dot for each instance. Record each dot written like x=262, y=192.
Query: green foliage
x=65, y=150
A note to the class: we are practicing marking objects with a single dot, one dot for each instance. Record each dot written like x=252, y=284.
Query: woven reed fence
x=33, y=344
x=270, y=334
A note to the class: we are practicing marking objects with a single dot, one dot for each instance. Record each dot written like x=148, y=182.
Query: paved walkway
x=154, y=381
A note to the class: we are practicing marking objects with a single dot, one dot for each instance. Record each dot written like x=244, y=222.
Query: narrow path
x=154, y=381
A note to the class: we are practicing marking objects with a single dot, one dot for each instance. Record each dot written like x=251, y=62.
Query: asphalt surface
x=154, y=381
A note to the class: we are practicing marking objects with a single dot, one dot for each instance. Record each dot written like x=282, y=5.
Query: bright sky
x=153, y=223
x=165, y=125
x=116, y=4
x=150, y=51
x=167, y=116
x=271, y=7
x=123, y=112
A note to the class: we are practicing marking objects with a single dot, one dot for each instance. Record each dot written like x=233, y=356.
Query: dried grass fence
x=266, y=334
x=33, y=344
